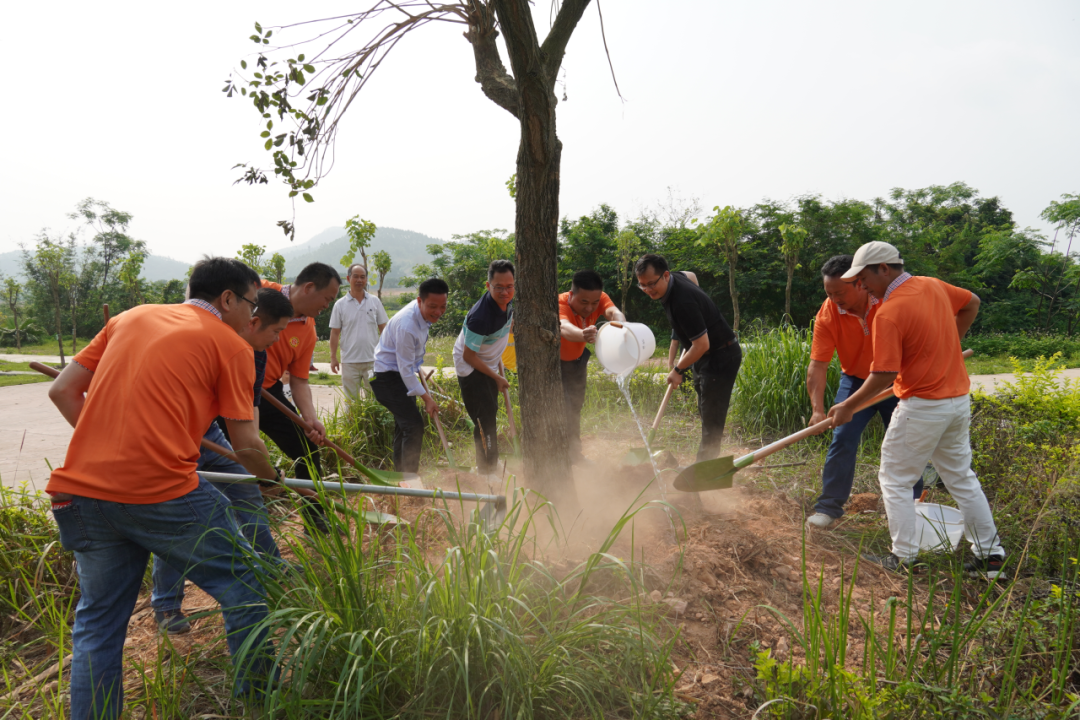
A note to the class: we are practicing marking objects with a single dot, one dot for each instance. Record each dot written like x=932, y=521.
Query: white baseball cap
x=872, y=253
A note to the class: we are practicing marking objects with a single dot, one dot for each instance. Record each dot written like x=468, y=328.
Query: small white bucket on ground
x=621, y=347
x=939, y=527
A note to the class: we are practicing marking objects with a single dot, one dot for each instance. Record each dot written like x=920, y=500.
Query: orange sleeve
x=90, y=356
x=888, y=346
x=234, y=385
x=565, y=313
x=823, y=344
x=958, y=297
x=605, y=303
x=301, y=364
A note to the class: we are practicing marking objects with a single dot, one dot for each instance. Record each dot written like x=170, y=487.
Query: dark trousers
x=838, y=475
x=390, y=391
x=481, y=397
x=714, y=379
x=291, y=440
x=574, y=377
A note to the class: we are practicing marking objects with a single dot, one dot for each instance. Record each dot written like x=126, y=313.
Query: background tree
x=382, y=264
x=628, y=248
x=130, y=270
x=111, y=242
x=11, y=289
x=328, y=84
x=725, y=230
x=276, y=268
x=793, y=239
x=252, y=256
x=51, y=262
x=360, y=233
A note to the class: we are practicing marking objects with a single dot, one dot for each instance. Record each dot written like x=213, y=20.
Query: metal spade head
x=718, y=474
x=492, y=514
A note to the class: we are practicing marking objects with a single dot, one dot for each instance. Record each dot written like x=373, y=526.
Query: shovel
x=379, y=477
x=492, y=513
x=720, y=473
x=510, y=415
x=639, y=456
x=442, y=435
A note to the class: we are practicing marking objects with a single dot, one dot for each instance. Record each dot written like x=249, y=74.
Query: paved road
x=33, y=435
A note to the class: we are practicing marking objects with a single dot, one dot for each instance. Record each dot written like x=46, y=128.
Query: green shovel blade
x=716, y=474
x=636, y=456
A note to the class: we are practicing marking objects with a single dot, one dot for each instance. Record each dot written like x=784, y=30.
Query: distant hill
x=406, y=248
x=155, y=267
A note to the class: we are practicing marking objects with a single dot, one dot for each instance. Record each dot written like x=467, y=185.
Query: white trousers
x=935, y=430
x=355, y=374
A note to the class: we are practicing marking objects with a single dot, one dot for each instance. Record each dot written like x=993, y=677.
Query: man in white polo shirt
x=356, y=321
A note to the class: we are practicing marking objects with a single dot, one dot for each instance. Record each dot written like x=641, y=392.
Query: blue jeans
x=839, y=472
x=112, y=543
x=247, y=507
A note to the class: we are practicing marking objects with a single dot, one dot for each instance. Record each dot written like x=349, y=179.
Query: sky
x=730, y=103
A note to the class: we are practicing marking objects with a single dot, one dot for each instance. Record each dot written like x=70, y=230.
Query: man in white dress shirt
x=397, y=360
x=356, y=322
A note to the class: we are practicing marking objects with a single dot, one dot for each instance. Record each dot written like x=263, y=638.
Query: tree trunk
x=18, y=330
x=378, y=293
x=536, y=328
x=787, y=293
x=59, y=333
x=734, y=296
x=625, y=290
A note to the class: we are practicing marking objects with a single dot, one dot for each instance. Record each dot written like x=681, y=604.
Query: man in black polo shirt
x=710, y=347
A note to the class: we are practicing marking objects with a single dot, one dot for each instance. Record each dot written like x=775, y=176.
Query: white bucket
x=938, y=527
x=621, y=347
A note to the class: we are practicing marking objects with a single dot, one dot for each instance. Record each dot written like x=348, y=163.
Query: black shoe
x=989, y=568
x=895, y=564
x=172, y=622
x=315, y=516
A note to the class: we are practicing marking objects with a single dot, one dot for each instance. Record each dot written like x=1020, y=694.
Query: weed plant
x=1025, y=346
x=376, y=625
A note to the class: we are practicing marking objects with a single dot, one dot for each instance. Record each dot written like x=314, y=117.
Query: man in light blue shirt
x=398, y=357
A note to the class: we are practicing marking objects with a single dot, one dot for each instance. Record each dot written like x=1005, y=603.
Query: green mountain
x=155, y=267
x=406, y=248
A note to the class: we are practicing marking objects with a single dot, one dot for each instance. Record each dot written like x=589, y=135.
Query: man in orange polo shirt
x=311, y=293
x=154, y=379
x=579, y=309
x=916, y=339
x=842, y=326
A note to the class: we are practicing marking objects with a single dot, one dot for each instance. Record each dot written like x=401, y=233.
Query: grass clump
x=375, y=625
x=770, y=390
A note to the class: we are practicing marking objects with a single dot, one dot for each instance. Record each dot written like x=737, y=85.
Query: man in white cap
x=916, y=345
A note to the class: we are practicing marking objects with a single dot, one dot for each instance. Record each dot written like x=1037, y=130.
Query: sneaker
x=172, y=622
x=819, y=520
x=989, y=568
x=895, y=564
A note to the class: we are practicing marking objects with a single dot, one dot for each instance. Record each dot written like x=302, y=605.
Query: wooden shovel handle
x=45, y=370
x=105, y=312
x=308, y=427
x=438, y=422
x=667, y=398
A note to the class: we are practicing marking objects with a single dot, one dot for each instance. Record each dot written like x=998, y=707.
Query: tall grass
x=377, y=626
x=770, y=391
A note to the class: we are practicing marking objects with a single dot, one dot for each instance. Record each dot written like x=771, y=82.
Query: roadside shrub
x=1024, y=441
x=770, y=391
x=1025, y=346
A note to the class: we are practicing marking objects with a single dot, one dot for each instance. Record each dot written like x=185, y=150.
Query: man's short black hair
x=587, y=280
x=433, y=286
x=499, y=266
x=319, y=273
x=836, y=266
x=273, y=306
x=212, y=276
x=651, y=260
x=892, y=266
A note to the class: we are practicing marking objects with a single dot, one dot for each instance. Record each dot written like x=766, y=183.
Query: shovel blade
x=635, y=456
x=373, y=517
x=492, y=515
x=716, y=474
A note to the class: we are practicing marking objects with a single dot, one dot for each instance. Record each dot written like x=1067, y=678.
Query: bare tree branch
x=495, y=81
x=554, y=47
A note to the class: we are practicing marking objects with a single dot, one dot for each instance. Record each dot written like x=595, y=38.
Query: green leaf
x=309, y=68
x=243, y=64
x=264, y=134
x=308, y=198
x=269, y=144
x=294, y=193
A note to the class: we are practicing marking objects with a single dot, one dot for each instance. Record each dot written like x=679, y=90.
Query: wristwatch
x=679, y=370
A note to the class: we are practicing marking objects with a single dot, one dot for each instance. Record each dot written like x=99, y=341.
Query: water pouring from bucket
x=622, y=347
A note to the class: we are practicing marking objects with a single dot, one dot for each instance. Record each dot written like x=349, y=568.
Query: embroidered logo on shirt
x=294, y=341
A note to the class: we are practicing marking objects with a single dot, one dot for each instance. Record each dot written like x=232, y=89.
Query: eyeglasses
x=502, y=289
x=651, y=285
x=254, y=305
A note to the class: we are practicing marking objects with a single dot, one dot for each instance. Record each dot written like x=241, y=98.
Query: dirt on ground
x=726, y=571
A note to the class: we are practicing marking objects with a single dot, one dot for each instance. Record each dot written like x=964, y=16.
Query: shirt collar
x=900, y=280
x=205, y=306
x=871, y=301
x=670, y=284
